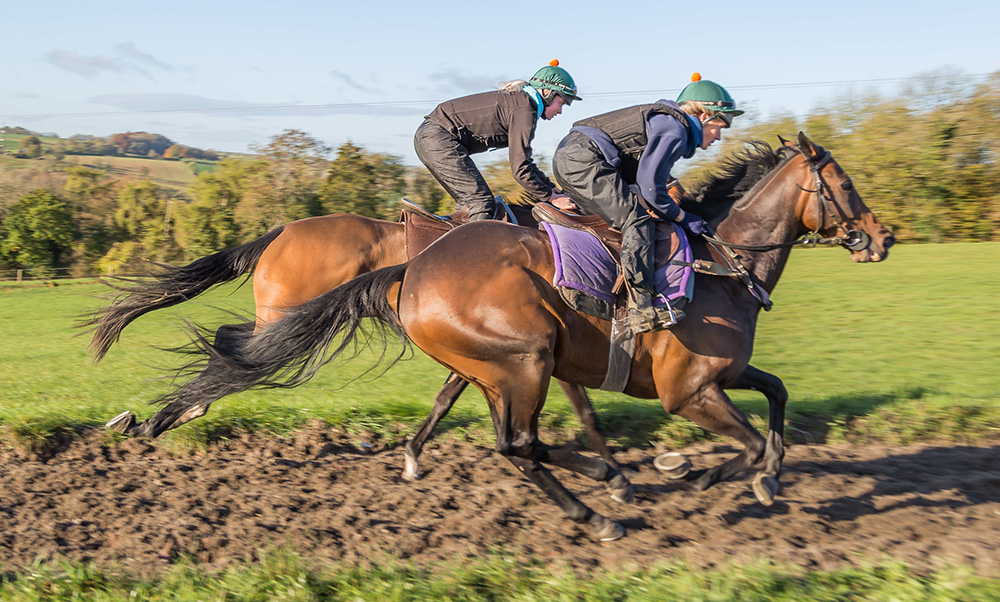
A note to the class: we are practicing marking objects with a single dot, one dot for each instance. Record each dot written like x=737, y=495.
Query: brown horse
x=290, y=265
x=510, y=332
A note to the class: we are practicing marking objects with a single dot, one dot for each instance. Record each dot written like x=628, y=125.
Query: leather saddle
x=609, y=237
x=423, y=227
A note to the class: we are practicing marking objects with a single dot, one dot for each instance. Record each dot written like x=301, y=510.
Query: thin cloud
x=347, y=79
x=129, y=51
x=127, y=59
x=86, y=66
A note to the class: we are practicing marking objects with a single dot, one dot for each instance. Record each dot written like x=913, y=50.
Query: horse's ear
x=784, y=142
x=806, y=145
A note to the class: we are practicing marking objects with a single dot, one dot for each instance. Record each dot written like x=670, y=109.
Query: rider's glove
x=694, y=224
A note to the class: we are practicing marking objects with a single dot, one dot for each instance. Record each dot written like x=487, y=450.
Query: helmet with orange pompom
x=712, y=95
x=555, y=78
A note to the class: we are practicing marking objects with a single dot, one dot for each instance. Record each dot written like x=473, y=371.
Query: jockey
x=503, y=118
x=602, y=156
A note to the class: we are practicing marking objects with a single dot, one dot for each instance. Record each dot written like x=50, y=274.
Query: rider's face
x=555, y=108
x=711, y=131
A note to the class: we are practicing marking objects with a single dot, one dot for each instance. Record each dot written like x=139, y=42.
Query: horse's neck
x=767, y=215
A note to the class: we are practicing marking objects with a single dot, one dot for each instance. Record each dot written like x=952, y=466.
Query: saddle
x=423, y=227
x=609, y=237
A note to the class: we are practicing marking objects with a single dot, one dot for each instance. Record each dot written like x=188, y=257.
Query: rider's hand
x=562, y=202
x=693, y=224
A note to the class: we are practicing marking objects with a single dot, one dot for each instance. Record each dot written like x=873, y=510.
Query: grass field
x=284, y=577
x=898, y=351
x=174, y=174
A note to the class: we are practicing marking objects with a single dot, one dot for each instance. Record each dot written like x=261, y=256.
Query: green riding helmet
x=713, y=95
x=555, y=78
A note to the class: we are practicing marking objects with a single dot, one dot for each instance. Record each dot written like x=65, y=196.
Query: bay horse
x=480, y=301
x=290, y=265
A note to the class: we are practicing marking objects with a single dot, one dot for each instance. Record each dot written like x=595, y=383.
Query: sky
x=224, y=75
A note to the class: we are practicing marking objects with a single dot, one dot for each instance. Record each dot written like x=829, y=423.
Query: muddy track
x=138, y=504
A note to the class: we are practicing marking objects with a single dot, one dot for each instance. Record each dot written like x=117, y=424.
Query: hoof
x=621, y=490
x=411, y=472
x=765, y=488
x=605, y=529
x=673, y=465
x=121, y=423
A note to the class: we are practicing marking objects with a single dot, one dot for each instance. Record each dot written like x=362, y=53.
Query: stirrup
x=648, y=317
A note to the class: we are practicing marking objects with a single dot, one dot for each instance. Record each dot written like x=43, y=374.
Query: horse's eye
x=846, y=185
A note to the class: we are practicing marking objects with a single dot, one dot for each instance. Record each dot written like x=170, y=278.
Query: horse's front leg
x=580, y=401
x=445, y=399
x=765, y=484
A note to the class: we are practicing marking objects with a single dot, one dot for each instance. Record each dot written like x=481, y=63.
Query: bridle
x=855, y=240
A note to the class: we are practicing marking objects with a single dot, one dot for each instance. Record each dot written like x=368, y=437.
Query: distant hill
x=125, y=144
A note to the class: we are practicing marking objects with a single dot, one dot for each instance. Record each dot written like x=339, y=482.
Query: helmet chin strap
x=535, y=95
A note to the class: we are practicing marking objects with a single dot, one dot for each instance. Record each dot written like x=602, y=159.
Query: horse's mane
x=735, y=175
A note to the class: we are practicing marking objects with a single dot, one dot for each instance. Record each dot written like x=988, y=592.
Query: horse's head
x=833, y=207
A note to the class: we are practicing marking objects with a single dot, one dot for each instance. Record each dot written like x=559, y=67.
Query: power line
x=433, y=102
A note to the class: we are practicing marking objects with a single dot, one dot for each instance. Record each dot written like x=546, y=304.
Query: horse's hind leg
x=765, y=484
x=177, y=413
x=445, y=399
x=515, y=415
x=711, y=409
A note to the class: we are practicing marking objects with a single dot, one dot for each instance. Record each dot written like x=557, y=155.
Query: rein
x=854, y=240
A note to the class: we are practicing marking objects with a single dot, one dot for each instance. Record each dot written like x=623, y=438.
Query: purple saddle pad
x=583, y=264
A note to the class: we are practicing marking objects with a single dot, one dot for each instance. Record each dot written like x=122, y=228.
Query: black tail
x=170, y=286
x=290, y=351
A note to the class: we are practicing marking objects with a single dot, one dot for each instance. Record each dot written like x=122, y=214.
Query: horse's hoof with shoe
x=121, y=423
x=765, y=488
x=411, y=471
x=605, y=529
x=621, y=490
x=673, y=465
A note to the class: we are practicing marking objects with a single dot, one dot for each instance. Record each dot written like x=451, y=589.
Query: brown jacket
x=497, y=120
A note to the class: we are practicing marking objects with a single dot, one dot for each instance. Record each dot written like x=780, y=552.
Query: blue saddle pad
x=583, y=264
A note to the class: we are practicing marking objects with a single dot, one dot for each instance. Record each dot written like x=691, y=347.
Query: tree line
x=137, y=144
x=926, y=161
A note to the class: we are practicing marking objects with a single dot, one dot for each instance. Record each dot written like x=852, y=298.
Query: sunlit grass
x=283, y=576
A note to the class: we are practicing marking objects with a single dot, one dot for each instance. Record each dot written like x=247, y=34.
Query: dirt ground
x=139, y=504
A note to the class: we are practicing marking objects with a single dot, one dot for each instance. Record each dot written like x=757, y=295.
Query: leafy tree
x=39, y=231
x=92, y=196
x=31, y=147
x=208, y=224
x=363, y=183
x=425, y=191
x=144, y=215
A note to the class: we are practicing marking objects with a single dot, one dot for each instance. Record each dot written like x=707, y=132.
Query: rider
x=502, y=118
x=603, y=155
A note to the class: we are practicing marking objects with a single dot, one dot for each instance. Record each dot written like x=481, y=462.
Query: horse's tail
x=291, y=350
x=170, y=286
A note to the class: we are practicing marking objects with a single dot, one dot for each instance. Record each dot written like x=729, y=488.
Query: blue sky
x=222, y=75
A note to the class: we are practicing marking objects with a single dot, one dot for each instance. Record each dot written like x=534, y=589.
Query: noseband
x=854, y=240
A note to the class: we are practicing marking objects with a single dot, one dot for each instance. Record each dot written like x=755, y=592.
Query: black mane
x=734, y=177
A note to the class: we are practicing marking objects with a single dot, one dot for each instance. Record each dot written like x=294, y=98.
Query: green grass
x=281, y=576
x=895, y=352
